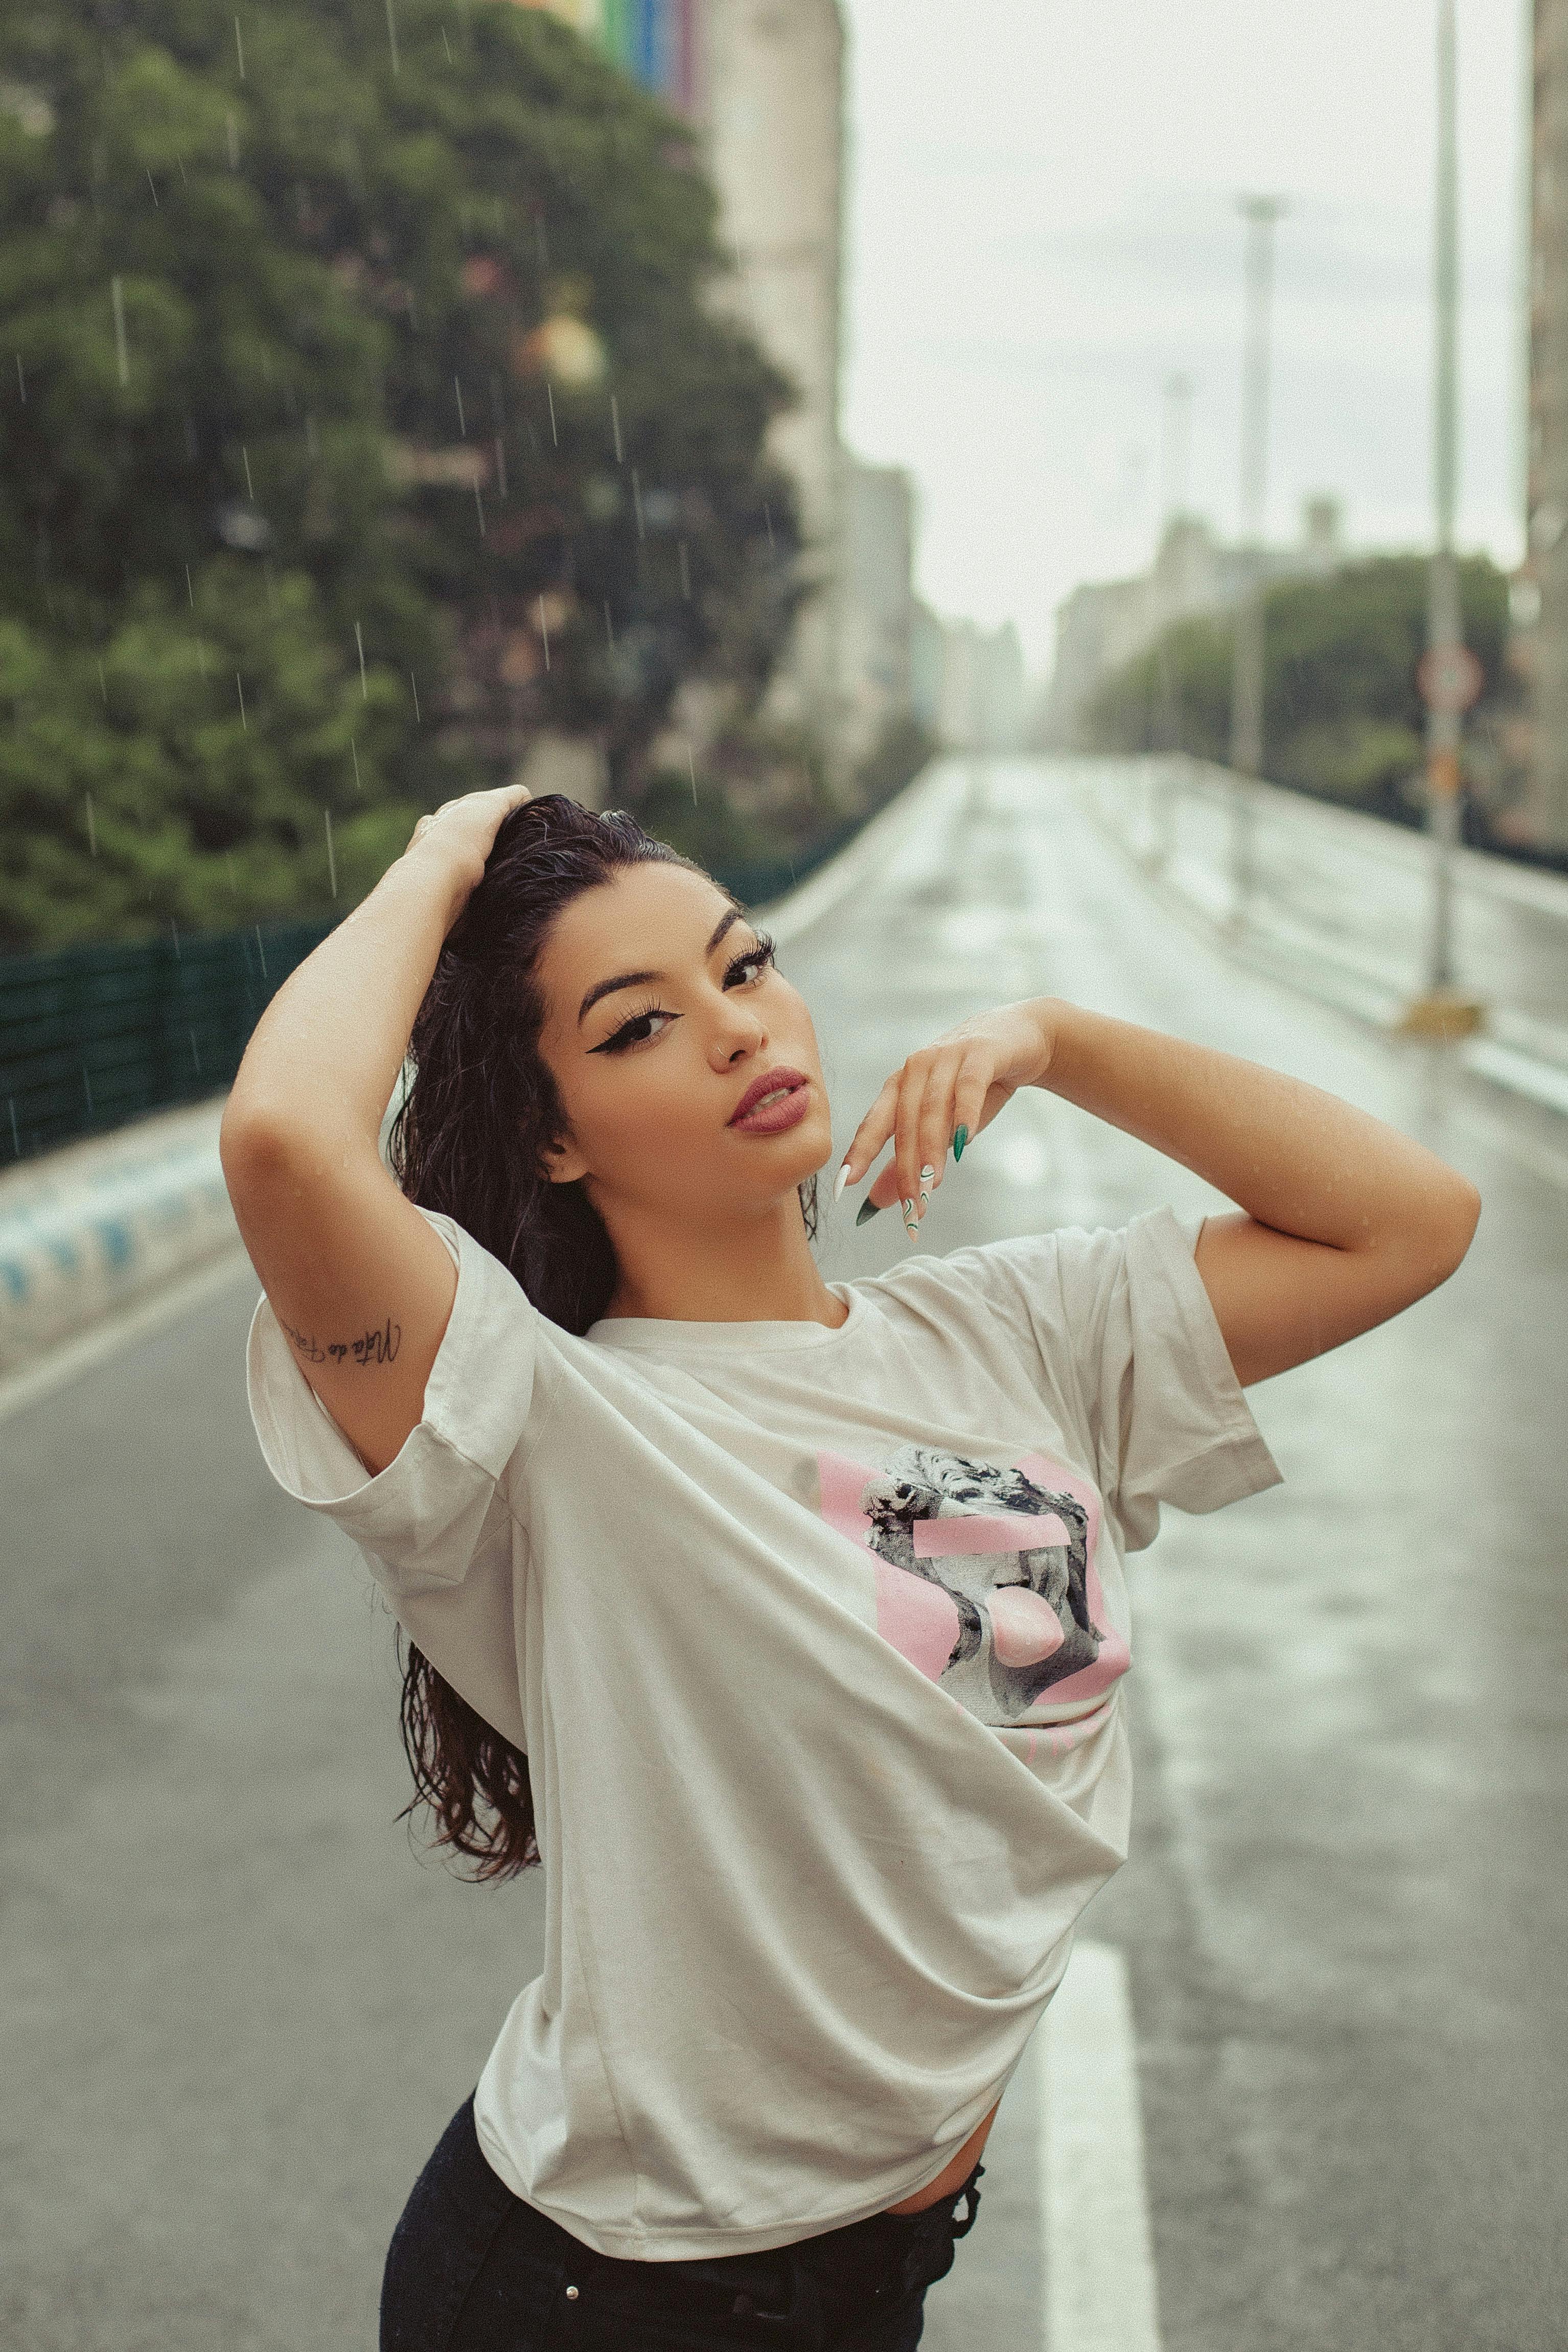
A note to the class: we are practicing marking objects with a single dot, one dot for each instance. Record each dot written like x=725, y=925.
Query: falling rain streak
x=117, y=296
x=332, y=860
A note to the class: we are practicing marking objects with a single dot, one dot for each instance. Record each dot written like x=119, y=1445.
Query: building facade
x=762, y=80
x=875, y=648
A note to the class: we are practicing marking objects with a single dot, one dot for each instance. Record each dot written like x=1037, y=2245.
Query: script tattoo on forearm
x=376, y=1346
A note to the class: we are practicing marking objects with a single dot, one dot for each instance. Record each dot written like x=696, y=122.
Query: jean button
x=571, y=2294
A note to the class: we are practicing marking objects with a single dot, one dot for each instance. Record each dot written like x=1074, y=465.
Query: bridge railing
x=96, y=1036
x=1339, y=903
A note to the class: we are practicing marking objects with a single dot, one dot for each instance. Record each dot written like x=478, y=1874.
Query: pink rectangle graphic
x=984, y=1532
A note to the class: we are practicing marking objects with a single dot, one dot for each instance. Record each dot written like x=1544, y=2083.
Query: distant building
x=877, y=603
x=982, y=705
x=1537, y=651
x=762, y=80
x=1106, y=623
x=927, y=659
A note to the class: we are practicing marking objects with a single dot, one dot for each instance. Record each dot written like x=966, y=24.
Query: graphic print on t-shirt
x=985, y=1574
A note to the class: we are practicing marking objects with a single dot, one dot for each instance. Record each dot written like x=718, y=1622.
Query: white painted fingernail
x=911, y=1222
x=842, y=1179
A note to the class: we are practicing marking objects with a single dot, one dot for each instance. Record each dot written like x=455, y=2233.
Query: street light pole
x=1262, y=215
x=1175, y=439
x=1450, y=676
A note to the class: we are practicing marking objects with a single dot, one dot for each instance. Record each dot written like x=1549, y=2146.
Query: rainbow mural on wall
x=657, y=42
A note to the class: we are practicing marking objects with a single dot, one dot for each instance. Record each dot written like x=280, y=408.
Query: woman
x=784, y=1620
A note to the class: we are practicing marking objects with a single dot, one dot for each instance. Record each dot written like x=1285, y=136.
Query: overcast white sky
x=1042, y=230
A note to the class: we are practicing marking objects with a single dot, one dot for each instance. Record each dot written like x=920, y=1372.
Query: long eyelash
x=618, y=1038
x=762, y=954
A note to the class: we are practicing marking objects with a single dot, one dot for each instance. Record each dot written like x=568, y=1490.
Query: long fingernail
x=840, y=1181
x=927, y=1178
x=869, y=1209
x=911, y=1222
x=959, y=1138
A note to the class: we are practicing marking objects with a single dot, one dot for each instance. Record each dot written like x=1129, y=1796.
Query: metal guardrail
x=94, y=1037
x=102, y=1037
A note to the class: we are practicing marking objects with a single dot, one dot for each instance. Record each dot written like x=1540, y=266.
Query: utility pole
x=1175, y=443
x=1450, y=676
x=1175, y=447
x=1262, y=215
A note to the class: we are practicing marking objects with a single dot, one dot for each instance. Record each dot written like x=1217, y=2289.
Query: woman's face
x=663, y=1007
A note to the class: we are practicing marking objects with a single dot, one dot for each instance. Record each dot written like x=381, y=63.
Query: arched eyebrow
x=641, y=979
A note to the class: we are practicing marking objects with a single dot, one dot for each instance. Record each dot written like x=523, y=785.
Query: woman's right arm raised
x=360, y=1284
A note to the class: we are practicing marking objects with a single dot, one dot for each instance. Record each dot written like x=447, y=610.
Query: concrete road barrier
x=100, y=1223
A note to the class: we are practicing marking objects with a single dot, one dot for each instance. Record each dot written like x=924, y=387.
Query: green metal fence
x=92, y=1037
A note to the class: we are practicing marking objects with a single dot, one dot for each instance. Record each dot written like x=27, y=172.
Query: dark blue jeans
x=472, y=2268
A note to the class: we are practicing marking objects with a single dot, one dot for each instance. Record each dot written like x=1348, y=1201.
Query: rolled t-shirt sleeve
x=1163, y=1408
x=1122, y=1341
x=421, y=1519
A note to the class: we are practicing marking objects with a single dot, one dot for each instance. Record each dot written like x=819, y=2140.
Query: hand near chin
x=941, y=1096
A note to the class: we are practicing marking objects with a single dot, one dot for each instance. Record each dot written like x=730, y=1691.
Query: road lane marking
x=1101, y=2292
x=31, y=1382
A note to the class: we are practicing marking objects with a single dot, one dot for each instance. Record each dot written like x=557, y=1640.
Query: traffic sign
x=1450, y=678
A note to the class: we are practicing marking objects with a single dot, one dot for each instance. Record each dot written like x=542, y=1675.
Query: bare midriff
x=951, y=2180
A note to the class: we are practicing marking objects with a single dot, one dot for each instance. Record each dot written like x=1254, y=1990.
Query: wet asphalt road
x=239, y=2009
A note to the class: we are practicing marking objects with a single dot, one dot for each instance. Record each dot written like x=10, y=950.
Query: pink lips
x=757, y=1117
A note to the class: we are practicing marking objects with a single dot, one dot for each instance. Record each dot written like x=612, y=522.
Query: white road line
x=1101, y=2292
x=33, y=1382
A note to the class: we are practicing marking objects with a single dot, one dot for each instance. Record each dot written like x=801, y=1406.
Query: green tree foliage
x=1343, y=716
x=365, y=406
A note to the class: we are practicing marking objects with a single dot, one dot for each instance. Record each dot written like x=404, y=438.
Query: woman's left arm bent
x=1340, y=1221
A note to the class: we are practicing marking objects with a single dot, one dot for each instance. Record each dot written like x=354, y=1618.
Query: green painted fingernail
x=869, y=1208
x=959, y=1138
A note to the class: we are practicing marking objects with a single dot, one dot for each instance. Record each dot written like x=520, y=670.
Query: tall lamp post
x=1262, y=215
x=1175, y=439
x=1450, y=678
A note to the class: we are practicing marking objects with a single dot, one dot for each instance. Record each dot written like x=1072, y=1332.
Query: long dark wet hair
x=480, y=1112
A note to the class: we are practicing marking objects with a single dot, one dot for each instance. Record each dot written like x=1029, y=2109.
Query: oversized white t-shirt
x=815, y=1640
